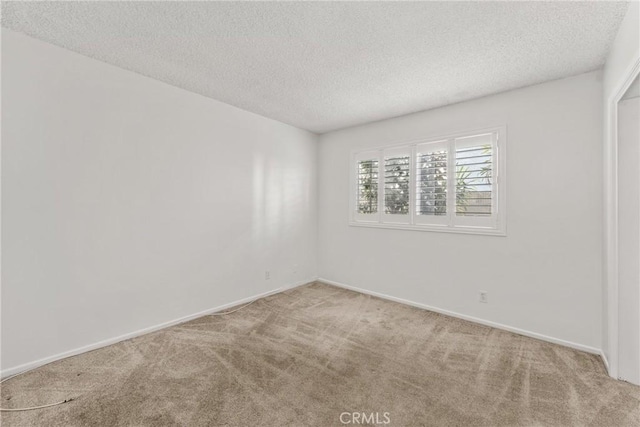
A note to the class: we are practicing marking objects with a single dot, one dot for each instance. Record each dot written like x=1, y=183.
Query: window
x=454, y=184
x=432, y=190
x=396, y=185
x=368, y=186
x=395, y=192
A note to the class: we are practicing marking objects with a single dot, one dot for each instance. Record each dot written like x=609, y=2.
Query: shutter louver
x=431, y=183
x=396, y=185
x=368, y=186
x=474, y=180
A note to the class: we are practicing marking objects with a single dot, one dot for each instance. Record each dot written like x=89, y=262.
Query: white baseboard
x=34, y=364
x=518, y=331
x=37, y=363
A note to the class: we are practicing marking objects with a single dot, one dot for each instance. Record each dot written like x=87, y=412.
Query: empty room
x=320, y=213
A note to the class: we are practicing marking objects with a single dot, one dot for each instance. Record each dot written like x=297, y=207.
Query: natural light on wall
x=455, y=183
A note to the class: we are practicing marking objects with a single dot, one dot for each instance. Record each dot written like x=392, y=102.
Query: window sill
x=435, y=228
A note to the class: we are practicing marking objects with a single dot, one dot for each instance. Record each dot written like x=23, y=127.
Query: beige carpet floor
x=308, y=355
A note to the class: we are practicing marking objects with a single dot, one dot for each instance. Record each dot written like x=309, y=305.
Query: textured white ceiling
x=325, y=66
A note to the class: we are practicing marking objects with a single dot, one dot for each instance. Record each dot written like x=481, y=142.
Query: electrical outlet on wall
x=484, y=297
x=267, y=275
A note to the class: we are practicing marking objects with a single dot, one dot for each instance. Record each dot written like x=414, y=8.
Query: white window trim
x=498, y=226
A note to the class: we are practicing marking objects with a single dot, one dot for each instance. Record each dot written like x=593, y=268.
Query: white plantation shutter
x=454, y=183
x=432, y=172
x=397, y=185
x=367, y=186
x=475, y=180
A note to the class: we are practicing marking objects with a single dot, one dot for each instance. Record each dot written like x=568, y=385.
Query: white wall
x=545, y=276
x=127, y=202
x=629, y=239
x=623, y=56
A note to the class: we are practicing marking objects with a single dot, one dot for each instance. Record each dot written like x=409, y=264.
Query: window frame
x=483, y=222
x=438, y=221
x=495, y=225
x=356, y=159
x=390, y=152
